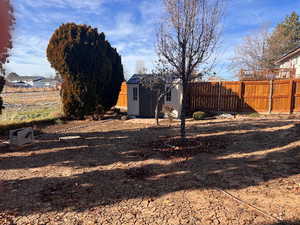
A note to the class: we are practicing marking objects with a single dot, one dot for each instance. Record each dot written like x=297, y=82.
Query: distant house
x=288, y=67
x=15, y=78
x=291, y=60
x=215, y=79
x=45, y=83
x=142, y=100
x=267, y=74
x=31, y=81
x=19, y=84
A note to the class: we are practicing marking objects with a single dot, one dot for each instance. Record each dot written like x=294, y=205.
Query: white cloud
x=28, y=56
x=133, y=39
x=41, y=69
x=151, y=11
x=129, y=61
x=124, y=27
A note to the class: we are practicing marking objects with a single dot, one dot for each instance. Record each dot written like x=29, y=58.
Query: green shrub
x=255, y=114
x=199, y=115
x=90, y=68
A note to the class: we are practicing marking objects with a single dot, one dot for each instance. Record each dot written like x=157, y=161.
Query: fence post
x=270, y=96
x=219, y=95
x=291, y=96
x=241, y=94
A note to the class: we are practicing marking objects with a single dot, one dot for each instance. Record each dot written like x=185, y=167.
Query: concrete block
x=21, y=136
x=70, y=138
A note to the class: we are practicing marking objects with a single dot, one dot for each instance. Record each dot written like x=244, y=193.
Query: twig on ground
x=249, y=205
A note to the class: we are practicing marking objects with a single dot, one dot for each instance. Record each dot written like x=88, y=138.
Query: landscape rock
x=124, y=117
x=226, y=116
x=69, y=138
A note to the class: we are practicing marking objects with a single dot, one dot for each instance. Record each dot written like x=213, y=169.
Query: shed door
x=148, y=100
x=133, y=100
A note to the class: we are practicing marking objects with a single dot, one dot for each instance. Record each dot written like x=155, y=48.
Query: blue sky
x=130, y=27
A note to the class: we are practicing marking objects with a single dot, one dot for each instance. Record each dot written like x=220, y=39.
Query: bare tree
x=140, y=67
x=162, y=80
x=126, y=72
x=252, y=53
x=187, y=39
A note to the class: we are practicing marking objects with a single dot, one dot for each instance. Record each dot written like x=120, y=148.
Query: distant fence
x=279, y=96
x=122, y=100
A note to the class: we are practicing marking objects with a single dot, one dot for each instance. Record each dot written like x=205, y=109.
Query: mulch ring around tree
x=190, y=146
x=138, y=173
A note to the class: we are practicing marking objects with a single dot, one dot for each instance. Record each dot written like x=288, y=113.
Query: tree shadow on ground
x=109, y=167
x=133, y=144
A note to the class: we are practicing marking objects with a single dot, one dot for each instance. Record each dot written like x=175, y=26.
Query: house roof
x=47, y=80
x=288, y=55
x=31, y=78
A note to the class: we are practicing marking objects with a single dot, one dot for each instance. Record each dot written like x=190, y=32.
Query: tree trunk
x=184, y=79
x=156, y=113
x=183, y=111
x=156, y=109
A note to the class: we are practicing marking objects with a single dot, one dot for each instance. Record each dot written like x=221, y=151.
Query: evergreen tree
x=284, y=38
x=90, y=68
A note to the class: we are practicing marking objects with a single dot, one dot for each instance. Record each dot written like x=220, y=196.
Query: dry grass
x=25, y=108
x=8, y=89
x=29, y=115
x=30, y=98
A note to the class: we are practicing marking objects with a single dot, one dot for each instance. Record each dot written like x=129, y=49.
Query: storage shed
x=142, y=100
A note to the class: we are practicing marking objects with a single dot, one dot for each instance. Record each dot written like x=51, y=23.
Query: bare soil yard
x=125, y=172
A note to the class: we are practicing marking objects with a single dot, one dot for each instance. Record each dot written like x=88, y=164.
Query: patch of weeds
x=10, y=120
x=254, y=115
x=59, y=121
x=24, y=116
x=199, y=115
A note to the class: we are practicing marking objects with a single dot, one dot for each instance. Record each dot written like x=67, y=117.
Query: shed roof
x=137, y=78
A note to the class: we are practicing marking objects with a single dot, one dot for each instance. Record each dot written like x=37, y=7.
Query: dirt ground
x=237, y=171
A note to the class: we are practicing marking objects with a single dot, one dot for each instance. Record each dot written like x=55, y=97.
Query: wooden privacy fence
x=278, y=96
x=122, y=100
